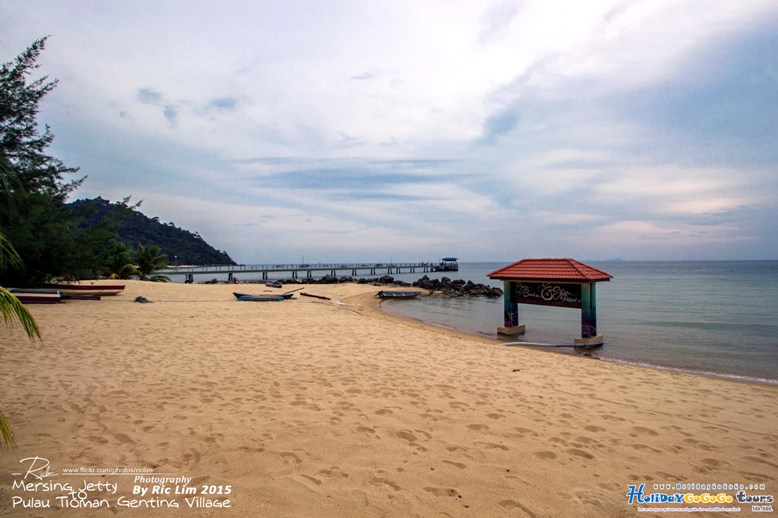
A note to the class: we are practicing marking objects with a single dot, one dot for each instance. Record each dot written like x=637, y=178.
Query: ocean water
x=713, y=317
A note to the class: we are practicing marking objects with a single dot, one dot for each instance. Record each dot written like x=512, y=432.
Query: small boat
x=265, y=297
x=398, y=294
x=447, y=264
x=37, y=295
x=81, y=297
x=87, y=289
x=276, y=284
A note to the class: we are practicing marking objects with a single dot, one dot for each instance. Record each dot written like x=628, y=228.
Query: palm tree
x=12, y=309
x=147, y=260
x=120, y=263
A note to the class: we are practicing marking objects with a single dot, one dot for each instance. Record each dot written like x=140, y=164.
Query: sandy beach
x=314, y=408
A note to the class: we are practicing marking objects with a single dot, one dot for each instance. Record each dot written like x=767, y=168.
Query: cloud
x=150, y=96
x=171, y=114
x=498, y=128
x=500, y=123
x=223, y=104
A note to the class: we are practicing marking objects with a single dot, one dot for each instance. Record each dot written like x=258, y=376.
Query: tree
x=22, y=146
x=119, y=265
x=148, y=259
x=45, y=233
x=31, y=182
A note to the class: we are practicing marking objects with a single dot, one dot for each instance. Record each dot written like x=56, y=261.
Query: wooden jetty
x=296, y=271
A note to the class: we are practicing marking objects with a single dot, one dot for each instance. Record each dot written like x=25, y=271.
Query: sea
x=716, y=318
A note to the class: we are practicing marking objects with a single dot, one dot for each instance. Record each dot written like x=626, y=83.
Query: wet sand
x=333, y=408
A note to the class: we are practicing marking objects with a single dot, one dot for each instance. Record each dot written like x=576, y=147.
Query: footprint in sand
x=546, y=455
x=288, y=456
x=312, y=479
x=478, y=427
x=377, y=481
x=123, y=438
x=408, y=436
x=491, y=446
x=645, y=447
x=513, y=504
x=442, y=491
x=333, y=472
x=580, y=453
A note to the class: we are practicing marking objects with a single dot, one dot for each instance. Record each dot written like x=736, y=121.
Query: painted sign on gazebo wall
x=547, y=294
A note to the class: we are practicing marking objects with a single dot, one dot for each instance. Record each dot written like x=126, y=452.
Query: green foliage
x=33, y=185
x=119, y=264
x=148, y=259
x=58, y=240
x=134, y=228
x=6, y=431
x=10, y=307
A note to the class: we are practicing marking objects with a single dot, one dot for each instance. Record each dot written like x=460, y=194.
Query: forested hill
x=134, y=228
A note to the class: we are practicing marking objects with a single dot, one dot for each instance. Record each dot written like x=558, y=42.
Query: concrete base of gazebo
x=592, y=340
x=513, y=330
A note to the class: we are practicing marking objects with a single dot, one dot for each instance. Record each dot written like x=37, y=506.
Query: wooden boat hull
x=37, y=296
x=75, y=290
x=246, y=297
x=398, y=294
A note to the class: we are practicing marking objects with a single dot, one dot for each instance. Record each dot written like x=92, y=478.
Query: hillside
x=179, y=245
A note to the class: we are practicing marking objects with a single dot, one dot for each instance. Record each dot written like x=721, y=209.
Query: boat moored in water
x=447, y=264
x=398, y=294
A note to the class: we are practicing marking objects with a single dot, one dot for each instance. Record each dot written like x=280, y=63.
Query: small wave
x=732, y=377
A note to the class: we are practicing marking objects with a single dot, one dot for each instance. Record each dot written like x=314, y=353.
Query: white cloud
x=534, y=112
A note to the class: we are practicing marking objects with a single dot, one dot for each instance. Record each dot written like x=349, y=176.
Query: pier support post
x=511, y=312
x=589, y=316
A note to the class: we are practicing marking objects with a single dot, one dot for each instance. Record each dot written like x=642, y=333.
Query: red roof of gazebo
x=550, y=270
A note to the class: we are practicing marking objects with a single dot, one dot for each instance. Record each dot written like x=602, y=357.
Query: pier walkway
x=280, y=271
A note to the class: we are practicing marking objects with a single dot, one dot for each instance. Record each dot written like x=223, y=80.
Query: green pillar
x=511, y=314
x=588, y=310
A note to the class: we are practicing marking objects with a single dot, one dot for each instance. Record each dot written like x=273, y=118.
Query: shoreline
x=337, y=408
x=738, y=378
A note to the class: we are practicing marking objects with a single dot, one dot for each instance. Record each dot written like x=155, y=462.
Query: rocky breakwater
x=442, y=287
x=458, y=288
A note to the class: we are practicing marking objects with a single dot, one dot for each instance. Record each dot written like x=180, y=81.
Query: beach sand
x=313, y=408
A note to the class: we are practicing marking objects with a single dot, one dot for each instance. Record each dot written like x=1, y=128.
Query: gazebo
x=551, y=282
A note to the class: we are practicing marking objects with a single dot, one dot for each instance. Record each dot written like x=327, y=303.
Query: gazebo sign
x=548, y=294
x=551, y=282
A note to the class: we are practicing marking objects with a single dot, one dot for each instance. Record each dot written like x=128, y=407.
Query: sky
x=409, y=130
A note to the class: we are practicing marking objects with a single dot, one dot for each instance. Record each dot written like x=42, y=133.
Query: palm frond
x=12, y=309
x=9, y=258
x=6, y=432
